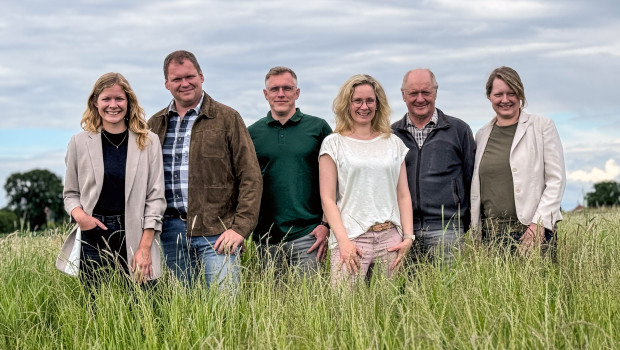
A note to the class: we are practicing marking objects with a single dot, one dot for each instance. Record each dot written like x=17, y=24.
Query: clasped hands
x=351, y=255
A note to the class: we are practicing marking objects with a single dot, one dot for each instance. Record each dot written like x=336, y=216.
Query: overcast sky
x=566, y=51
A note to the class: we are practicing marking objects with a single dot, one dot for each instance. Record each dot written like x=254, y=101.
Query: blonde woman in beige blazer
x=528, y=167
x=129, y=223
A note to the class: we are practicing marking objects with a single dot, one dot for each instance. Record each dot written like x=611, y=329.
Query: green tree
x=35, y=196
x=606, y=193
x=8, y=221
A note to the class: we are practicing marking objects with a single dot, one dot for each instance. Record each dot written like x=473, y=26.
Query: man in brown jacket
x=213, y=181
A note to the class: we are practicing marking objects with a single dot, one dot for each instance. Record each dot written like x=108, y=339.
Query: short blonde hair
x=135, y=117
x=342, y=103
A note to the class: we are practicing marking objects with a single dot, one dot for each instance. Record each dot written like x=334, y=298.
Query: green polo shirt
x=288, y=157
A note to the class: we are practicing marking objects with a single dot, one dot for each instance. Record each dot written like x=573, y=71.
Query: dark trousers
x=508, y=233
x=103, y=251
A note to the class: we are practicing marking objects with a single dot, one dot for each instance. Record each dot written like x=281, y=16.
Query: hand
x=350, y=255
x=85, y=221
x=321, y=233
x=402, y=248
x=142, y=264
x=532, y=237
x=228, y=242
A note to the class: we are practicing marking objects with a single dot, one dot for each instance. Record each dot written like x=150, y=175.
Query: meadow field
x=487, y=299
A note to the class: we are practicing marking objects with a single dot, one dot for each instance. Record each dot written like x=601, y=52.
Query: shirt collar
x=172, y=107
x=293, y=119
x=433, y=120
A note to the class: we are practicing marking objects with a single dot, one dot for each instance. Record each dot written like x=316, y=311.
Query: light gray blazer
x=145, y=200
x=537, y=166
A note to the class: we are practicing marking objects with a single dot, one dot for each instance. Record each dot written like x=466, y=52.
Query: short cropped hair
x=179, y=57
x=280, y=70
x=433, y=79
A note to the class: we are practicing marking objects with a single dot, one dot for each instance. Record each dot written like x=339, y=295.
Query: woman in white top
x=363, y=183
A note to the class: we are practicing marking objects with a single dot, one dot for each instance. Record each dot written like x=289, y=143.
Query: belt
x=382, y=227
x=175, y=213
x=120, y=219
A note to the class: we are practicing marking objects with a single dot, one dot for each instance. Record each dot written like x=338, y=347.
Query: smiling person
x=519, y=174
x=213, y=182
x=114, y=188
x=439, y=167
x=290, y=226
x=363, y=184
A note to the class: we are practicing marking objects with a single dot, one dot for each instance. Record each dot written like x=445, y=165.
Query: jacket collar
x=205, y=104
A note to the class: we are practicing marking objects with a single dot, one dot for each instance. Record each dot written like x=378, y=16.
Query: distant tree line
x=34, y=200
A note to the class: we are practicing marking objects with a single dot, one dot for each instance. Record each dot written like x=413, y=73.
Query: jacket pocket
x=213, y=143
x=455, y=192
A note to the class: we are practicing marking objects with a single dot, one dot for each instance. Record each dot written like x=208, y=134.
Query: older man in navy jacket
x=439, y=164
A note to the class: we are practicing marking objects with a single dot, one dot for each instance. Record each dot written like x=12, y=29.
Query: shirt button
x=514, y=170
x=518, y=190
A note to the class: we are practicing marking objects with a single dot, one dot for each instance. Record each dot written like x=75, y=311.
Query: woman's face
x=504, y=101
x=363, y=104
x=112, y=106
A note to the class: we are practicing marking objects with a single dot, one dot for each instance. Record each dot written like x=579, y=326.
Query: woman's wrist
x=409, y=236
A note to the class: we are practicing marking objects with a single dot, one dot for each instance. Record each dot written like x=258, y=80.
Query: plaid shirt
x=176, y=155
x=420, y=135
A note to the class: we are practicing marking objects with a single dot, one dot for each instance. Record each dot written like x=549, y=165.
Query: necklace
x=112, y=143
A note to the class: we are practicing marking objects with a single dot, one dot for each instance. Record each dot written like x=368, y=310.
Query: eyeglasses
x=358, y=102
x=287, y=89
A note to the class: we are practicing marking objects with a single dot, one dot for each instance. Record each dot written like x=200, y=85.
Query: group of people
x=193, y=182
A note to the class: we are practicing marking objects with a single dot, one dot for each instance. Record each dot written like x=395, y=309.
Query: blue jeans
x=439, y=245
x=291, y=253
x=187, y=257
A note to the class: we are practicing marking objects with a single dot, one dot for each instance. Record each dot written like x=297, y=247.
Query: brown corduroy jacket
x=225, y=182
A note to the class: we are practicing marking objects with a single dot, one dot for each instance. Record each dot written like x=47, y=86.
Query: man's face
x=419, y=95
x=185, y=83
x=281, y=92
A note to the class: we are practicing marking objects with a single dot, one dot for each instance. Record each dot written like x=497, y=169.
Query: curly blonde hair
x=342, y=103
x=135, y=117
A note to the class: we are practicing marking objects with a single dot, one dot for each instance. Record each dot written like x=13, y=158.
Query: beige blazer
x=537, y=166
x=144, y=194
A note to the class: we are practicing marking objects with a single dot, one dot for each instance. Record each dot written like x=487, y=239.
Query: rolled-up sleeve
x=155, y=203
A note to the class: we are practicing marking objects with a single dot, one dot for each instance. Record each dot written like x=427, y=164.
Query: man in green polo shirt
x=290, y=226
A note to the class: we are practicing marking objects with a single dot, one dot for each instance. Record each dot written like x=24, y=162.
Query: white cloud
x=611, y=171
x=499, y=9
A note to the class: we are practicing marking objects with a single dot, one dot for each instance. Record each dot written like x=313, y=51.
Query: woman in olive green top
x=519, y=174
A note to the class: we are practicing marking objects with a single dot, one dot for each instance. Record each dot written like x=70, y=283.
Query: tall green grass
x=487, y=299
